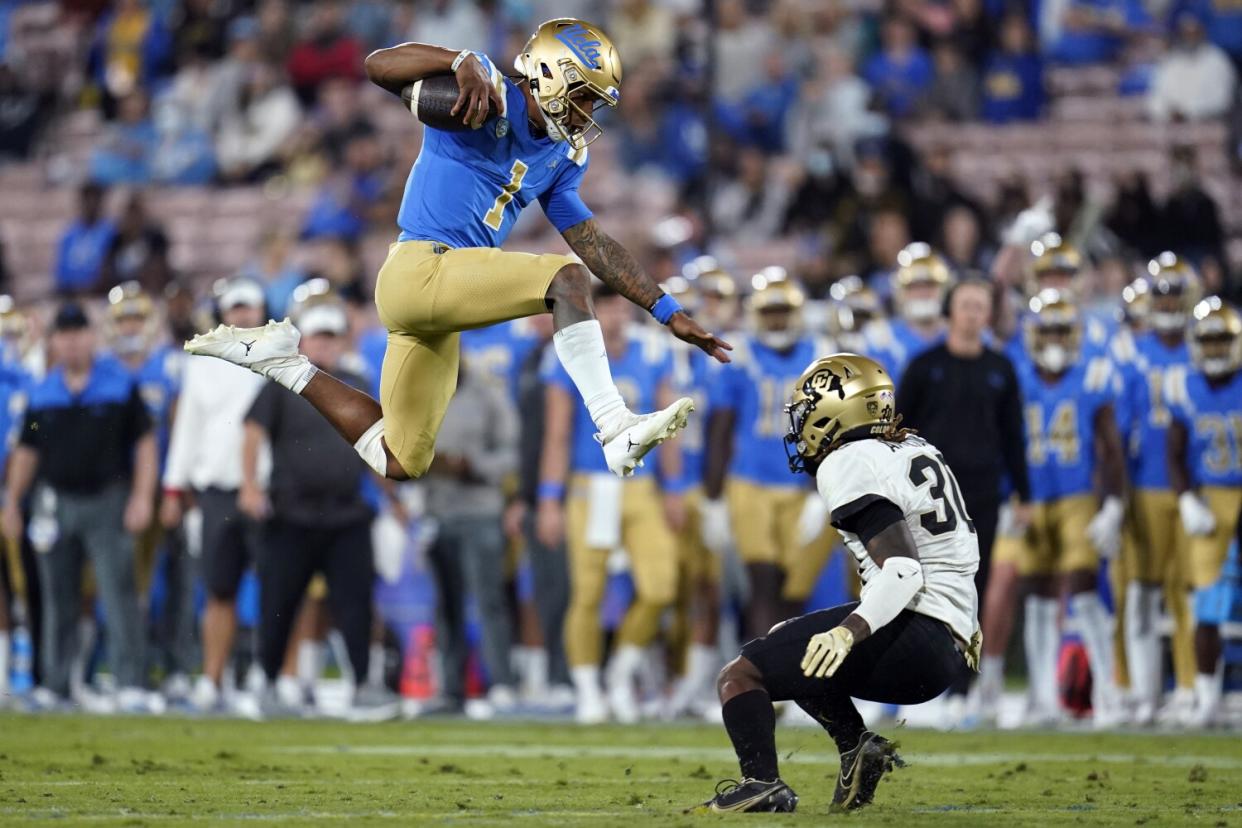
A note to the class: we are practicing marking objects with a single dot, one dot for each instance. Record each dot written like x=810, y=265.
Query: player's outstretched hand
x=686, y=329
x=478, y=96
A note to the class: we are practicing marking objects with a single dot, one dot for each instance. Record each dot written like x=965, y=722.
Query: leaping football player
x=446, y=272
x=900, y=513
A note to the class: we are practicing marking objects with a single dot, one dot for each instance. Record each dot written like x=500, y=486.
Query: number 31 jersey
x=913, y=477
x=467, y=188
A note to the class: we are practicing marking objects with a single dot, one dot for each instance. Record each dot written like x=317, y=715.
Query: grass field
x=103, y=771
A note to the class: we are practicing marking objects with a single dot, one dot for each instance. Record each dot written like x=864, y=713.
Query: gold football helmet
x=1215, y=337
x=774, y=308
x=854, y=305
x=1136, y=303
x=564, y=59
x=715, y=291
x=13, y=324
x=131, y=319
x=1052, y=331
x=920, y=283
x=1174, y=292
x=837, y=397
x=1055, y=264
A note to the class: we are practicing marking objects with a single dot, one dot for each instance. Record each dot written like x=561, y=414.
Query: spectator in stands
x=752, y=205
x=459, y=23
x=138, y=251
x=901, y=70
x=475, y=451
x=1190, y=218
x=24, y=108
x=84, y=244
x=123, y=154
x=1134, y=217
x=198, y=28
x=1079, y=32
x=250, y=141
x=229, y=76
x=204, y=470
x=935, y=191
x=741, y=42
x=336, y=260
x=372, y=22
x=327, y=50
x=833, y=113
x=961, y=241
x=953, y=94
x=765, y=107
x=275, y=30
x=1222, y=20
x=347, y=202
x=131, y=49
x=317, y=523
x=184, y=156
x=642, y=31
x=274, y=267
x=87, y=440
x=1195, y=79
x=1013, y=76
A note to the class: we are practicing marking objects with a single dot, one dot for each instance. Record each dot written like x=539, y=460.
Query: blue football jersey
x=467, y=188
x=638, y=374
x=159, y=382
x=500, y=350
x=1213, y=420
x=1147, y=417
x=1060, y=424
x=755, y=386
x=15, y=384
x=691, y=379
x=894, y=343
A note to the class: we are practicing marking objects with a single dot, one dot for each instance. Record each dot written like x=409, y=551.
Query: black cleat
x=749, y=796
x=862, y=769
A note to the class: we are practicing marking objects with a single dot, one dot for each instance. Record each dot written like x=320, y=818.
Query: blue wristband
x=664, y=308
x=550, y=491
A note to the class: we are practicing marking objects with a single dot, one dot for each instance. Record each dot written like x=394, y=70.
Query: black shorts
x=910, y=660
x=229, y=542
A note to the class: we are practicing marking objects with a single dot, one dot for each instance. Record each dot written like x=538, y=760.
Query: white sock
x=311, y=657
x=701, y=666
x=293, y=372
x=586, y=681
x=1208, y=690
x=580, y=348
x=1041, y=638
x=533, y=670
x=4, y=662
x=375, y=664
x=625, y=664
x=1143, y=641
x=991, y=679
x=1095, y=626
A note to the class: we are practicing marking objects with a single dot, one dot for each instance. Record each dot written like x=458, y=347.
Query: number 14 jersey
x=912, y=476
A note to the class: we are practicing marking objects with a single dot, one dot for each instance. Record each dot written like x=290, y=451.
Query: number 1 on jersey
x=496, y=215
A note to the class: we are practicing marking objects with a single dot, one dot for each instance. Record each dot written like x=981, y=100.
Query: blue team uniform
x=895, y=343
x=159, y=383
x=1213, y=420
x=692, y=370
x=500, y=350
x=638, y=374
x=467, y=188
x=1147, y=417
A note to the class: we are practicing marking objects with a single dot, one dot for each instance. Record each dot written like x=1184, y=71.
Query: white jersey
x=913, y=477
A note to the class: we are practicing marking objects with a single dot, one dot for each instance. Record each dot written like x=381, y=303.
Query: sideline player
x=446, y=273
x=1205, y=467
x=901, y=514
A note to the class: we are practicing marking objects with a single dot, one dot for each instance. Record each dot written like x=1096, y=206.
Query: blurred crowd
x=175, y=529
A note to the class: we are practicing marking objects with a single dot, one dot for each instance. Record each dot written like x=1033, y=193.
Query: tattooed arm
x=613, y=265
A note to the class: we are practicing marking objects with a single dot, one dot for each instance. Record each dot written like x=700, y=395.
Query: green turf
x=78, y=770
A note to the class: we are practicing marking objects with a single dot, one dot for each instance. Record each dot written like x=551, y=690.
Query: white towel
x=603, y=528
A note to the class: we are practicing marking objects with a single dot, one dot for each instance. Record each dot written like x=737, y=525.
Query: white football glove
x=1030, y=224
x=714, y=525
x=826, y=651
x=813, y=519
x=1197, y=518
x=1104, y=530
x=1006, y=524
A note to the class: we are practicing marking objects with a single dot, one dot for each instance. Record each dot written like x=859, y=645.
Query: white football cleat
x=270, y=351
x=637, y=434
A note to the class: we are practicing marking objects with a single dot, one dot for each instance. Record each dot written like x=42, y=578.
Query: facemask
x=129, y=345
x=1054, y=358
x=778, y=340
x=1217, y=366
x=920, y=310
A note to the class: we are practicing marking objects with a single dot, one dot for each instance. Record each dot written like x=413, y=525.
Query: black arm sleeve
x=1012, y=434
x=867, y=517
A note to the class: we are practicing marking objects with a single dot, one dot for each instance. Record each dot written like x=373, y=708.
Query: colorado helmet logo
x=582, y=43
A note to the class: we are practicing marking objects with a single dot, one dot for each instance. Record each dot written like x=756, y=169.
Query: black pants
x=230, y=542
x=908, y=661
x=291, y=556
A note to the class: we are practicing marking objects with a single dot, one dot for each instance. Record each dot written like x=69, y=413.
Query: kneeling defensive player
x=446, y=274
x=901, y=515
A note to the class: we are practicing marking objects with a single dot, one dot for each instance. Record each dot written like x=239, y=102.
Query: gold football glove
x=826, y=651
x=974, y=650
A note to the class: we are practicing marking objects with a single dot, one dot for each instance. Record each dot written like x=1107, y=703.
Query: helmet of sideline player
x=684, y=291
x=571, y=67
x=716, y=292
x=1174, y=292
x=1052, y=331
x=854, y=306
x=920, y=283
x=13, y=324
x=837, y=398
x=131, y=318
x=1055, y=264
x=774, y=309
x=1215, y=338
x=1136, y=303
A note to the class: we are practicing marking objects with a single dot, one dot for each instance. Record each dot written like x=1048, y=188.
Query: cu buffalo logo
x=825, y=381
x=582, y=43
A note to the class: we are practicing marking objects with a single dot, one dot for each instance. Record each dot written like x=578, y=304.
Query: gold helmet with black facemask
x=1174, y=292
x=838, y=397
x=1215, y=338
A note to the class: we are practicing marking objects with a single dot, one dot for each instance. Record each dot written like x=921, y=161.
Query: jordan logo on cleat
x=249, y=345
x=630, y=444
